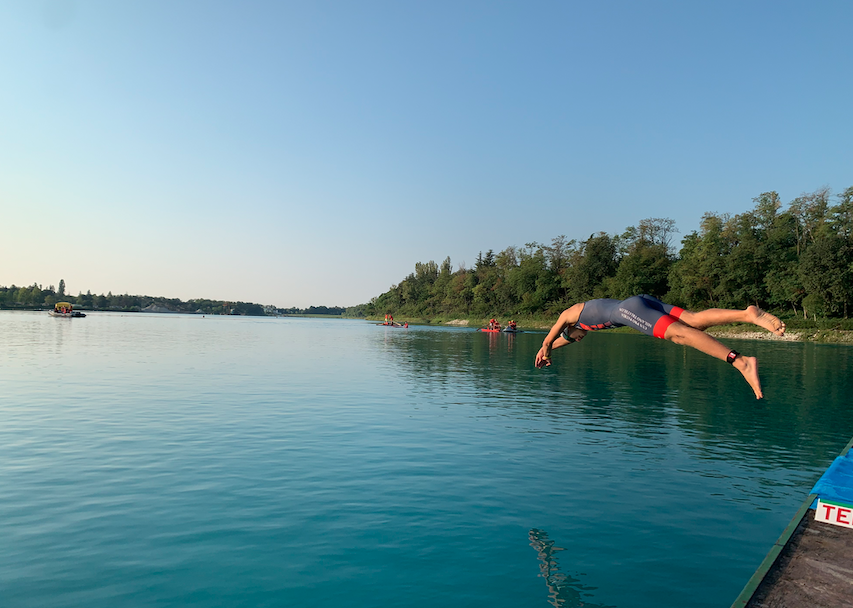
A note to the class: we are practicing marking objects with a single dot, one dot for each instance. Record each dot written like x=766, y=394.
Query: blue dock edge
x=822, y=489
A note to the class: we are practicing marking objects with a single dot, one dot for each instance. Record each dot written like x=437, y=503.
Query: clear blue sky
x=308, y=153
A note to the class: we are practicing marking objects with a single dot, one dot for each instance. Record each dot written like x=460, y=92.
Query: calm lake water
x=186, y=461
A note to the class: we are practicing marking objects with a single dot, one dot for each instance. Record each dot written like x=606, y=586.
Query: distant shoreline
x=821, y=332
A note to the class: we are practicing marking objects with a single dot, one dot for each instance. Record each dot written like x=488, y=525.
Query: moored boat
x=493, y=327
x=65, y=310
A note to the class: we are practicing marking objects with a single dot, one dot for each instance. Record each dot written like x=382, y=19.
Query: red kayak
x=490, y=331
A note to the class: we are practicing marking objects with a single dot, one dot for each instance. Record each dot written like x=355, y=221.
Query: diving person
x=655, y=318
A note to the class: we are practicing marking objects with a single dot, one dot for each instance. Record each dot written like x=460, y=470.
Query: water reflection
x=647, y=389
x=399, y=450
x=564, y=591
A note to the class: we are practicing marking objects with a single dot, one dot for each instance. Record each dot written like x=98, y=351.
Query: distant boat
x=64, y=310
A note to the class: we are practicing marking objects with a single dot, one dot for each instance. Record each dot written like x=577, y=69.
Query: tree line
x=313, y=310
x=36, y=297
x=797, y=259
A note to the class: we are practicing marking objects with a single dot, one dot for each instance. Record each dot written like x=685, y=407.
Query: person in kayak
x=655, y=318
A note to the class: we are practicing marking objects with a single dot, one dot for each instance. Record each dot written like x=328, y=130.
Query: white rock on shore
x=755, y=335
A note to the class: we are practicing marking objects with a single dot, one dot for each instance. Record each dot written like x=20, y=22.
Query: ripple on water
x=175, y=460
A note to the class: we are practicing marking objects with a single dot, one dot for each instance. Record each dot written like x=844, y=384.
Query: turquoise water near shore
x=189, y=461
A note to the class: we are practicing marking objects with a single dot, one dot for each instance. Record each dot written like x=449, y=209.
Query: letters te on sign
x=833, y=512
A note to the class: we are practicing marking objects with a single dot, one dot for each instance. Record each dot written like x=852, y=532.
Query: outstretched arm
x=568, y=318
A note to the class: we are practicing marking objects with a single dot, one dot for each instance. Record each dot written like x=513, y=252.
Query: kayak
x=490, y=331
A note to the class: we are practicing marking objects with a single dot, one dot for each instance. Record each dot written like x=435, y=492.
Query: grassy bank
x=830, y=331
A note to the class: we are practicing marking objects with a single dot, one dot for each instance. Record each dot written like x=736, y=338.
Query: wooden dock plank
x=813, y=570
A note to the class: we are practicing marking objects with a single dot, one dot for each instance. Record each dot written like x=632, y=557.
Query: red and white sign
x=836, y=513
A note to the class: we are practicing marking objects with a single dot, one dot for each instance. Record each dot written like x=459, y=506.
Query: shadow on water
x=564, y=591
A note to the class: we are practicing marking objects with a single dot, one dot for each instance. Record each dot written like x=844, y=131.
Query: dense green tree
x=746, y=264
x=826, y=274
x=826, y=263
x=841, y=216
x=85, y=300
x=645, y=264
x=784, y=287
x=696, y=276
x=36, y=296
x=530, y=285
x=589, y=267
x=810, y=210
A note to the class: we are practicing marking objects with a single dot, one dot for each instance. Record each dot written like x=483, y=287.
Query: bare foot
x=748, y=366
x=764, y=319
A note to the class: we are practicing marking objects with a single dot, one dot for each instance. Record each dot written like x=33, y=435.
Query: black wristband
x=730, y=358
